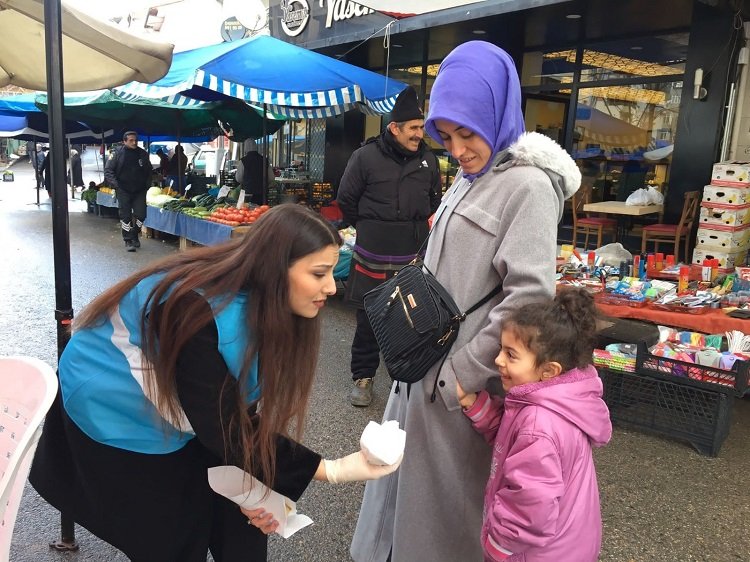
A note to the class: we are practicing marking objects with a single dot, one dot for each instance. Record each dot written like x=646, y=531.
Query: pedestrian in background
x=249, y=173
x=389, y=189
x=497, y=224
x=176, y=169
x=76, y=170
x=129, y=172
x=183, y=366
x=542, y=499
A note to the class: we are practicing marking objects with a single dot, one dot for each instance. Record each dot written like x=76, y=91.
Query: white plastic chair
x=27, y=389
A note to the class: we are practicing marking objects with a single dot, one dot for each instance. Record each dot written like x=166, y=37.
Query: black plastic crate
x=686, y=412
x=735, y=381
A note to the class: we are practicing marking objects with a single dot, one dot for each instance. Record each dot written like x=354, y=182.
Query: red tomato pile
x=231, y=216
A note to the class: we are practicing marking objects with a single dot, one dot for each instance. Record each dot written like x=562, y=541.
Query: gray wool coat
x=501, y=227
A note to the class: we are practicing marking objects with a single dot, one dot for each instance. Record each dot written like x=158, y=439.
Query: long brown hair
x=257, y=263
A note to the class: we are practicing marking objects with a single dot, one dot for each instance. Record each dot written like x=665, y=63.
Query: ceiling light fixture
x=616, y=63
x=573, y=16
x=479, y=32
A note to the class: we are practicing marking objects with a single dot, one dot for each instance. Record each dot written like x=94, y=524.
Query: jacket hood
x=575, y=395
x=535, y=149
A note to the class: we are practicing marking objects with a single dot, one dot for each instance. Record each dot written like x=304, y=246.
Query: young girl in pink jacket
x=542, y=502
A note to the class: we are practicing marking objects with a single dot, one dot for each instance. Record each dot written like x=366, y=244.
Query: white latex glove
x=354, y=468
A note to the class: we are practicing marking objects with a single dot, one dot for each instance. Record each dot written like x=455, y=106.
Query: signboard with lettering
x=300, y=21
x=232, y=29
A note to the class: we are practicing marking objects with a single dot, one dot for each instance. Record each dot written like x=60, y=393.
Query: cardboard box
x=726, y=215
x=733, y=173
x=726, y=259
x=726, y=237
x=726, y=195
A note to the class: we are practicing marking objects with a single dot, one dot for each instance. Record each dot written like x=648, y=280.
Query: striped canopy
x=290, y=80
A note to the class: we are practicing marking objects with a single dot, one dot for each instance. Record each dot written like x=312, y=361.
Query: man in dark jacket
x=129, y=172
x=389, y=189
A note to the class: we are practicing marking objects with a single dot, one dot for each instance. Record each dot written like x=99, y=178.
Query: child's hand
x=466, y=400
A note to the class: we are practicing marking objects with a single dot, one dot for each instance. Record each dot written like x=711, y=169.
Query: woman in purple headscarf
x=497, y=224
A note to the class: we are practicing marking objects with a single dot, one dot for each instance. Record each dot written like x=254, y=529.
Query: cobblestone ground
x=661, y=501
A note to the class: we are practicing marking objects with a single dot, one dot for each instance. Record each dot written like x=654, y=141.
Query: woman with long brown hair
x=187, y=365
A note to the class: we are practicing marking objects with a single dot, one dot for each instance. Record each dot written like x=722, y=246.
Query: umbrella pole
x=265, y=158
x=36, y=173
x=70, y=168
x=60, y=219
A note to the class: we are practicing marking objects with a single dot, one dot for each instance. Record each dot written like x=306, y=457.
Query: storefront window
x=662, y=55
x=541, y=69
x=624, y=136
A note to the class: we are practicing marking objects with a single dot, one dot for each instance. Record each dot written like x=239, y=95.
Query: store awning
x=289, y=80
x=400, y=9
x=95, y=53
x=609, y=132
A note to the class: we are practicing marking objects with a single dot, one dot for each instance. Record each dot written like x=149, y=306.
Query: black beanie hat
x=406, y=107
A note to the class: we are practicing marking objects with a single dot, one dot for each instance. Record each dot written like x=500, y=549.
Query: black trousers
x=153, y=507
x=365, y=350
x=132, y=211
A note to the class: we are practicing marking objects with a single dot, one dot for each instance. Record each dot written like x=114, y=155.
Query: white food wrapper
x=247, y=492
x=383, y=444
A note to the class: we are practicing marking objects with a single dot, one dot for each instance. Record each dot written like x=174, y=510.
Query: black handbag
x=415, y=321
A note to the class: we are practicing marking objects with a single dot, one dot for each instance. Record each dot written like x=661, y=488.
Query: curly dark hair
x=562, y=329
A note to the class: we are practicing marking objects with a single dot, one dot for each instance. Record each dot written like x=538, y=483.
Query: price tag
x=241, y=199
x=224, y=191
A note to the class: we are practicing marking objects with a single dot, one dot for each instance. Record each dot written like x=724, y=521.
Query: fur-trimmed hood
x=535, y=149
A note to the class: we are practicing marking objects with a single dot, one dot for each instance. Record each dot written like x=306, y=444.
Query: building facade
x=615, y=82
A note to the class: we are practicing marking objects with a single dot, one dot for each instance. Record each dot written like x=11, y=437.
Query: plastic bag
x=655, y=196
x=613, y=254
x=645, y=196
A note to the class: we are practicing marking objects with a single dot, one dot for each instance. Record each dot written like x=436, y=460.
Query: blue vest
x=101, y=379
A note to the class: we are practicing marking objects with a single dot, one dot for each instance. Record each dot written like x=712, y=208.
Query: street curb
x=13, y=163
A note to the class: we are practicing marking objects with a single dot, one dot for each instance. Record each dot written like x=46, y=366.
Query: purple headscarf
x=477, y=87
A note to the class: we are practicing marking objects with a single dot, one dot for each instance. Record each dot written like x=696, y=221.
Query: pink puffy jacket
x=542, y=499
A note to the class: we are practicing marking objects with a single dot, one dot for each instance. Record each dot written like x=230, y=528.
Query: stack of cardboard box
x=724, y=222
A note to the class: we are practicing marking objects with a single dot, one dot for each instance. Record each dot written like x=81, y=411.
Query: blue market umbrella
x=23, y=127
x=289, y=80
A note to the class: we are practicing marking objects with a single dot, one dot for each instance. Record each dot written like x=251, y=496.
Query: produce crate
x=682, y=411
x=734, y=382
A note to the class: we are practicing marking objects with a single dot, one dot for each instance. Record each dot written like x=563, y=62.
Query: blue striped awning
x=291, y=81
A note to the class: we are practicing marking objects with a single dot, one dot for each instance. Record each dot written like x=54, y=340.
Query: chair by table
x=674, y=233
x=588, y=225
x=622, y=211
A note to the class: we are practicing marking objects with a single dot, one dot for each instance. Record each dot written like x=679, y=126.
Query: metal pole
x=60, y=226
x=728, y=122
x=36, y=172
x=265, y=158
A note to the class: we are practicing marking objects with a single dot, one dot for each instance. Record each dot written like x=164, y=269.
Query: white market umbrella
x=96, y=54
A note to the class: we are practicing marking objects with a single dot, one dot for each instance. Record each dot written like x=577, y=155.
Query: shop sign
x=294, y=16
x=232, y=29
x=340, y=10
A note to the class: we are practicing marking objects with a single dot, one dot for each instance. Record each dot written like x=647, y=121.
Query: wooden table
x=620, y=209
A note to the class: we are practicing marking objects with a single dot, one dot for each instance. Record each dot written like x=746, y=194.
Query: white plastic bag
x=638, y=197
x=613, y=254
x=655, y=196
x=645, y=196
